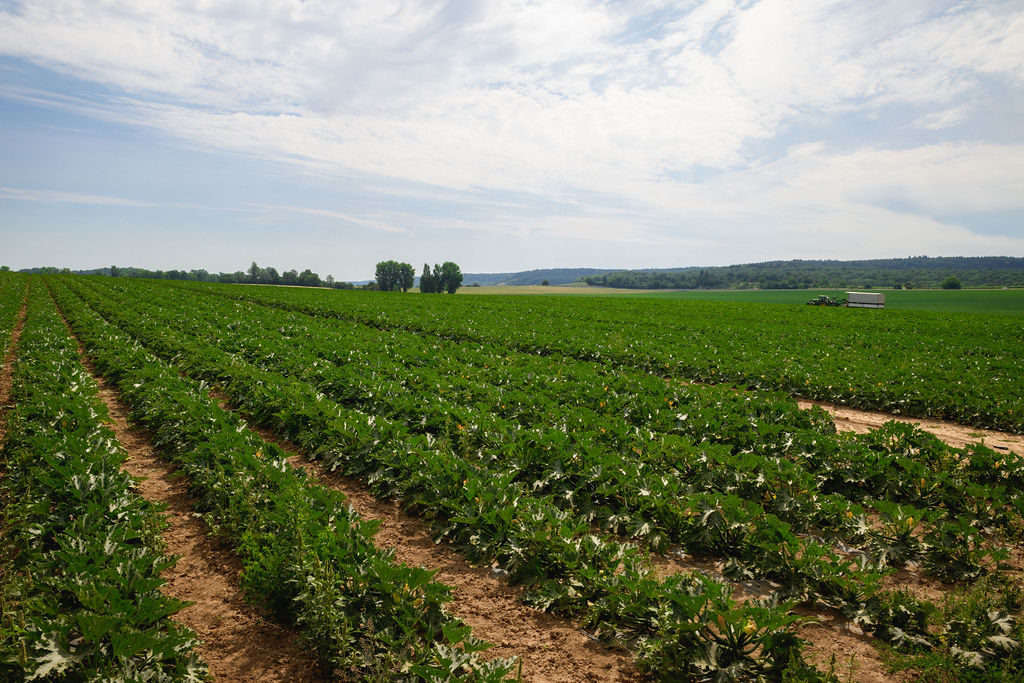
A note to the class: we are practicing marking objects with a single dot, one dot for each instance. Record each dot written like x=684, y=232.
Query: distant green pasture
x=1003, y=301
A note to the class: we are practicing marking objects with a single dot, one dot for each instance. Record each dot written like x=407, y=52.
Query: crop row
x=326, y=356
x=483, y=510
x=12, y=294
x=81, y=554
x=304, y=552
x=895, y=464
x=586, y=421
x=616, y=484
x=919, y=364
x=772, y=453
x=724, y=524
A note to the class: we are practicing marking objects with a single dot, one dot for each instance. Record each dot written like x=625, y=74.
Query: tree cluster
x=446, y=277
x=270, y=276
x=392, y=276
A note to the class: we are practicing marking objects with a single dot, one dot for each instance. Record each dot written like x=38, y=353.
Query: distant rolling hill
x=912, y=272
x=554, y=276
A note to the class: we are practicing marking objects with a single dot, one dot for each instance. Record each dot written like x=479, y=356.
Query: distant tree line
x=307, y=278
x=256, y=275
x=917, y=271
x=392, y=276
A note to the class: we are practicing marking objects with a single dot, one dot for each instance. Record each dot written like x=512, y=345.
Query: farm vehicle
x=824, y=300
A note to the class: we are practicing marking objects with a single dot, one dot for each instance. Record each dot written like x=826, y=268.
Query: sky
x=507, y=135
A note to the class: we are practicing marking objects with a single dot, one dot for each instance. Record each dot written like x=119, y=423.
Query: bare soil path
x=551, y=649
x=239, y=644
x=956, y=435
x=7, y=371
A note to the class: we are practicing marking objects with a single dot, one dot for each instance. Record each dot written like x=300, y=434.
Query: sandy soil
x=6, y=372
x=551, y=649
x=855, y=655
x=956, y=435
x=239, y=644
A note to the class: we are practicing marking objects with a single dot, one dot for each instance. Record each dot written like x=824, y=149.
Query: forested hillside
x=551, y=276
x=917, y=272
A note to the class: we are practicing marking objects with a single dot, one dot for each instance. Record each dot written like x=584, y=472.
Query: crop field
x=639, y=468
x=985, y=301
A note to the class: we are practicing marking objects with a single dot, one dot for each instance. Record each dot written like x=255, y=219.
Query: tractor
x=825, y=300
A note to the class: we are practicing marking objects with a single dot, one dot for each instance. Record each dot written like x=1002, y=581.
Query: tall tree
x=451, y=276
x=392, y=275
x=308, y=278
x=384, y=276
x=407, y=276
x=426, y=280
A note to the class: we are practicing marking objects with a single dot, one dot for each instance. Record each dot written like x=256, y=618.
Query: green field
x=562, y=442
x=1002, y=301
x=959, y=366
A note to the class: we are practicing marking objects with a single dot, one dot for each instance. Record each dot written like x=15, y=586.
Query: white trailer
x=865, y=300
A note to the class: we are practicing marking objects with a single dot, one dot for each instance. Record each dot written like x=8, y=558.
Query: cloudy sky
x=507, y=135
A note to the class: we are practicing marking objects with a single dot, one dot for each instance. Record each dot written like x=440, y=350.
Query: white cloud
x=514, y=81
x=937, y=120
x=933, y=179
x=339, y=215
x=58, y=197
x=616, y=102
x=788, y=54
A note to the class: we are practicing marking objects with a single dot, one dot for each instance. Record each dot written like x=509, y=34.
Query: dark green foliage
x=517, y=446
x=444, y=278
x=305, y=554
x=909, y=363
x=80, y=555
x=426, y=280
x=393, y=276
x=451, y=277
x=493, y=514
x=918, y=271
x=979, y=639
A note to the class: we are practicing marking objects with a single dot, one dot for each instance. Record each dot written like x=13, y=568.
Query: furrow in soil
x=551, y=649
x=239, y=644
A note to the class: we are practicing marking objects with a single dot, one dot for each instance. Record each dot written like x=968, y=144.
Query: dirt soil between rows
x=956, y=435
x=551, y=649
x=238, y=643
x=7, y=371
